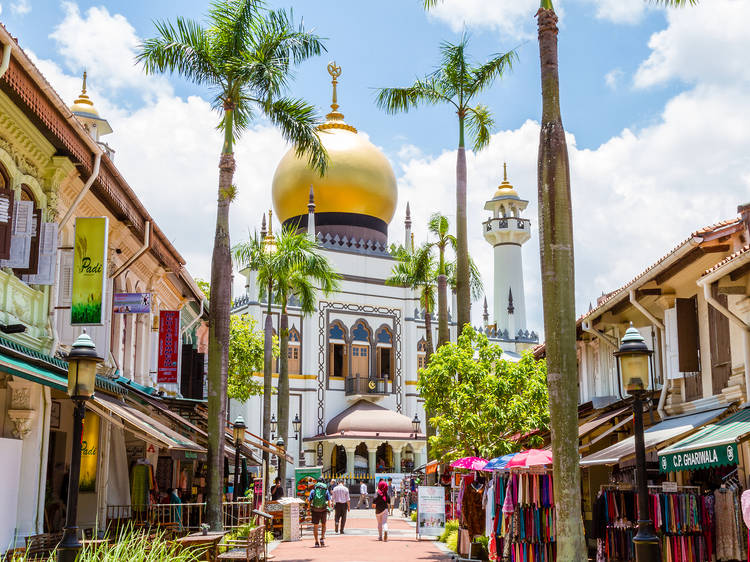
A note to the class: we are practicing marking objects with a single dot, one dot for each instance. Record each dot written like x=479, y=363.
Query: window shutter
x=20, y=242
x=45, y=270
x=65, y=296
x=687, y=335
x=36, y=221
x=6, y=222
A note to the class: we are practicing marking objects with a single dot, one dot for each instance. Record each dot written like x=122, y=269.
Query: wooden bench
x=42, y=546
x=250, y=548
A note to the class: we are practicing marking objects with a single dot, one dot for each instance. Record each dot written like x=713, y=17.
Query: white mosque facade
x=353, y=363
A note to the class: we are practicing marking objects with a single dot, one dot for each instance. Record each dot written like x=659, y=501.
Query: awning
x=135, y=420
x=713, y=445
x=24, y=370
x=590, y=425
x=654, y=436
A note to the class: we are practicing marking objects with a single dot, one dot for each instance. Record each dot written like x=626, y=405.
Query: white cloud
x=21, y=7
x=513, y=18
x=613, y=77
x=618, y=11
x=701, y=44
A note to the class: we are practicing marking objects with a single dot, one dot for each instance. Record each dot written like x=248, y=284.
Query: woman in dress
x=381, y=503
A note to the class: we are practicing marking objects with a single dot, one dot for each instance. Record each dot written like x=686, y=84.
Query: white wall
x=10, y=469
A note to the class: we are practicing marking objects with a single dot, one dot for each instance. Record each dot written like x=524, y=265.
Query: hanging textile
x=729, y=544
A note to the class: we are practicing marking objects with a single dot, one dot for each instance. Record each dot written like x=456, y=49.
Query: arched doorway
x=338, y=460
x=361, y=460
x=384, y=458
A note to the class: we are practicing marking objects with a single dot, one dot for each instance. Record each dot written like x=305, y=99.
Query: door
x=718, y=329
x=688, y=345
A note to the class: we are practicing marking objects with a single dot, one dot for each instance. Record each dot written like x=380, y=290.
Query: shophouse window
x=337, y=356
x=293, y=353
x=361, y=349
x=384, y=342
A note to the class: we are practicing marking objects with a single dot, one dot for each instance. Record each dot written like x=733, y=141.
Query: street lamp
x=274, y=426
x=82, y=361
x=632, y=365
x=297, y=426
x=238, y=430
x=416, y=424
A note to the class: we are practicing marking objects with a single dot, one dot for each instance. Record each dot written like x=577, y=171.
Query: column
x=419, y=456
x=350, y=461
x=371, y=459
x=396, y=460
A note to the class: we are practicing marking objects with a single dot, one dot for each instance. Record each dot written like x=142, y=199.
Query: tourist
x=363, y=497
x=341, y=505
x=390, y=496
x=319, y=501
x=277, y=490
x=381, y=510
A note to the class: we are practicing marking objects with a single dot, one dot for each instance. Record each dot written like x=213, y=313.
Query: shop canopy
x=713, y=445
x=590, y=425
x=149, y=429
x=25, y=370
x=656, y=435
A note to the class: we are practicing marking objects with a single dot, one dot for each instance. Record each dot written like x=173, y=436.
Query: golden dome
x=505, y=189
x=84, y=105
x=359, y=179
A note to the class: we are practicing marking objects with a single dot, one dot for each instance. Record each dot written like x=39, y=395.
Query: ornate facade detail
x=20, y=411
x=22, y=420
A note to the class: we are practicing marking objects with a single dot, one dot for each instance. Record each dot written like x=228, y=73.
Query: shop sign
x=89, y=453
x=89, y=271
x=706, y=457
x=169, y=346
x=131, y=303
x=430, y=511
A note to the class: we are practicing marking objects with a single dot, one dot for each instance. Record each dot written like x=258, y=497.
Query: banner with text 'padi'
x=89, y=271
x=169, y=345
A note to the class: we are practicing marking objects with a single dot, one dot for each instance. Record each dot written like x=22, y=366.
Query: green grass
x=450, y=526
x=88, y=313
x=452, y=541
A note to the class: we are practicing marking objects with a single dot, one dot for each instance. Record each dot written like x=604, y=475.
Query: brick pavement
x=360, y=543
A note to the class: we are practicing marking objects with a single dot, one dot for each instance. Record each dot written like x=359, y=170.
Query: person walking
x=381, y=510
x=341, y=505
x=391, y=492
x=363, y=497
x=319, y=501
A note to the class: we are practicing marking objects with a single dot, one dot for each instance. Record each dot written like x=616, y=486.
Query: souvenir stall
x=468, y=485
x=520, y=512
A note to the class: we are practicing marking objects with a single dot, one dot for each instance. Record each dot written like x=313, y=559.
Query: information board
x=430, y=511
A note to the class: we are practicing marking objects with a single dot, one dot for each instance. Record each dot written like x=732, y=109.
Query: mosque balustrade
x=507, y=223
x=355, y=385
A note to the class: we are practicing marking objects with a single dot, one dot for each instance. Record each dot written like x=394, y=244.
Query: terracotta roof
x=728, y=259
x=368, y=420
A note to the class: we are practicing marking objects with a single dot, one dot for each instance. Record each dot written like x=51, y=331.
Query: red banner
x=169, y=345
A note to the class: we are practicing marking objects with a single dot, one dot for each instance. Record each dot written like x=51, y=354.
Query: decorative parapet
x=522, y=336
x=358, y=246
x=22, y=304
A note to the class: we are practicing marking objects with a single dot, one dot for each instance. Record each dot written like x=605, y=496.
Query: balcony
x=367, y=387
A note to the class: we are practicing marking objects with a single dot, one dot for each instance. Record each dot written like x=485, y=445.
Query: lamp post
x=238, y=431
x=82, y=361
x=416, y=424
x=274, y=426
x=297, y=426
x=633, y=366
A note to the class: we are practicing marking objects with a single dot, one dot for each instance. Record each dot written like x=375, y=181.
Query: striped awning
x=713, y=445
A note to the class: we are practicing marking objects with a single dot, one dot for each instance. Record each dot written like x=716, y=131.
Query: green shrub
x=450, y=526
x=413, y=516
x=137, y=545
x=452, y=541
x=269, y=537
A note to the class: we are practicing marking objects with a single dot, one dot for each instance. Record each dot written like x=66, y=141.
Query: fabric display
x=730, y=537
x=141, y=484
x=523, y=528
x=472, y=512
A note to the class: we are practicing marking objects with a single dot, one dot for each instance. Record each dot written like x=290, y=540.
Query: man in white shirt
x=363, y=497
x=340, y=498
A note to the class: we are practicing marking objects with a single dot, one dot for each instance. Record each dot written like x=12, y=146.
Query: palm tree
x=438, y=226
x=244, y=57
x=299, y=270
x=456, y=82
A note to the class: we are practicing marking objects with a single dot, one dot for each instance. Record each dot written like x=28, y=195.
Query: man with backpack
x=319, y=501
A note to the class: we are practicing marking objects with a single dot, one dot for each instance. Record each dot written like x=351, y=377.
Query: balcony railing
x=365, y=385
x=507, y=222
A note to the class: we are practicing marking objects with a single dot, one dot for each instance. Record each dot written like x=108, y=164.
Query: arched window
x=361, y=349
x=384, y=347
x=337, y=356
x=7, y=198
x=338, y=460
x=421, y=354
x=294, y=352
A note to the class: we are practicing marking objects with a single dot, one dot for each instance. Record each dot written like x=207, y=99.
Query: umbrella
x=532, y=457
x=470, y=463
x=499, y=463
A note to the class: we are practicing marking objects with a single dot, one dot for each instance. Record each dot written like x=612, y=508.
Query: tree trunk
x=462, y=244
x=283, y=398
x=218, y=344
x=429, y=429
x=267, y=381
x=443, y=332
x=558, y=290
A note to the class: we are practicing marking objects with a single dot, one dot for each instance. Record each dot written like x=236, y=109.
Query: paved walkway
x=359, y=543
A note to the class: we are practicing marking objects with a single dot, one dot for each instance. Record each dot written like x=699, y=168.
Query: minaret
x=506, y=230
x=263, y=228
x=485, y=315
x=311, y=214
x=83, y=108
x=407, y=230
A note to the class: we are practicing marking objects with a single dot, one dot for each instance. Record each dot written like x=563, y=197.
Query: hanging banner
x=131, y=303
x=430, y=511
x=89, y=452
x=169, y=345
x=89, y=271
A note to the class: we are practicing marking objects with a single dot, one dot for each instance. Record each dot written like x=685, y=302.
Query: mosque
x=353, y=363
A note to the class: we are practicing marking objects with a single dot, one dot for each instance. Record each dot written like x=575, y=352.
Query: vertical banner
x=430, y=511
x=169, y=345
x=89, y=271
x=89, y=452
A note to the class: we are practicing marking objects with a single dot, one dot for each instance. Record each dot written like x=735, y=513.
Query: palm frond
x=297, y=121
x=675, y=3
x=233, y=23
x=479, y=122
x=424, y=91
x=438, y=225
x=484, y=75
x=454, y=66
x=429, y=4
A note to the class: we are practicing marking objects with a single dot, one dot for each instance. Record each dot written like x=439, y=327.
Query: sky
x=653, y=101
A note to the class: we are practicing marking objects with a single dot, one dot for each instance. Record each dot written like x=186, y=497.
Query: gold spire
x=505, y=189
x=83, y=98
x=335, y=119
x=505, y=172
